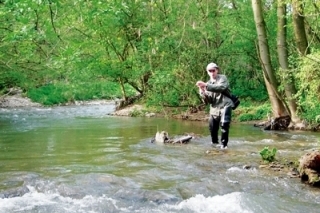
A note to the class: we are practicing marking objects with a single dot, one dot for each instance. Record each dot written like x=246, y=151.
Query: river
x=79, y=159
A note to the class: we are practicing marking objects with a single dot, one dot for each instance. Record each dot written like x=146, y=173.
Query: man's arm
x=221, y=85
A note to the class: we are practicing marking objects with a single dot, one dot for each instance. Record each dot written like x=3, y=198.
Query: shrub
x=60, y=93
x=267, y=154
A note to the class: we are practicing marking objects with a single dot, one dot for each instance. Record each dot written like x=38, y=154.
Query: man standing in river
x=220, y=105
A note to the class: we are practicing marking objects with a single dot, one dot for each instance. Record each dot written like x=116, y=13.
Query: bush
x=253, y=111
x=267, y=154
x=10, y=79
x=308, y=96
x=48, y=95
x=61, y=93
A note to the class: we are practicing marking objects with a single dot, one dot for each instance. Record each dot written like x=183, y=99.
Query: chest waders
x=222, y=120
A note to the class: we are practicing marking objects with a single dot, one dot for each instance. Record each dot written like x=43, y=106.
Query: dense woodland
x=62, y=51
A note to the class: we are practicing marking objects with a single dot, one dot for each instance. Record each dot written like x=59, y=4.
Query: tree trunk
x=277, y=105
x=282, y=48
x=123, y=90
x=299, y=28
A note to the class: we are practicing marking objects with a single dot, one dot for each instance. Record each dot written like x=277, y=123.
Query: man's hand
x=201, y=84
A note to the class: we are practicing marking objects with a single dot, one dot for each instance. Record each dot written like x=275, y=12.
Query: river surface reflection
x=80, y=159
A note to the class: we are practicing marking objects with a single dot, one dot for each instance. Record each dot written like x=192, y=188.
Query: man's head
x=212, y=70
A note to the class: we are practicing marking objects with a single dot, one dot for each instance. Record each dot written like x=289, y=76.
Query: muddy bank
x=17, y=100
x=169, y=112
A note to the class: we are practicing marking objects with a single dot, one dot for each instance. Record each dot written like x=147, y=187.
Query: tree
x=271, y=82
x=282, y=47
x=299, y=27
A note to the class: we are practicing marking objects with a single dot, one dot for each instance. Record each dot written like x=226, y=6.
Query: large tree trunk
x=277, y=105
x=282, y=48
x=299, y=27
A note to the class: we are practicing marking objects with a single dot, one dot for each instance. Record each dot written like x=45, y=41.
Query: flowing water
x=79, y=159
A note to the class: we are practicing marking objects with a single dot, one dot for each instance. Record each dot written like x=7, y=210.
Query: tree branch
x=51, y=18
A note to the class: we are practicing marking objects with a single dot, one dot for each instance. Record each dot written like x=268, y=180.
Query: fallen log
x=163, y=137
x=183, y=139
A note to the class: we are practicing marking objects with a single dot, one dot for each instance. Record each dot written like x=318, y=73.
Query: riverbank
x=17, y=99
x=169, y=112
x=134, y=110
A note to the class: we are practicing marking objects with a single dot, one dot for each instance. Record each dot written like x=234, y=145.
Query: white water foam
x=228, y=203
x=34, y=201
x=234, y=202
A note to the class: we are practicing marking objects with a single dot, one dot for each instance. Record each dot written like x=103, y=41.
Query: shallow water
x=79, y=159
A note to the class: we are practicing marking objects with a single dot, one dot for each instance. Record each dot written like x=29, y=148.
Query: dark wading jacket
x=220, y=105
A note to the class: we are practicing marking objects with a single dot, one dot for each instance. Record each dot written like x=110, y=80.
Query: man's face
x=213, y=72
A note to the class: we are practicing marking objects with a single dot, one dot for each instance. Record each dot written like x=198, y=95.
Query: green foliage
x=247, y=117
x=137, y=113
x=165, y=90
x=267, y=154
x=312, y=115
x=254, y=111
x=48, y=95
x=11, y=79
x=256, y=93
x=52, y=94
x=74, y=52
x=308, y=95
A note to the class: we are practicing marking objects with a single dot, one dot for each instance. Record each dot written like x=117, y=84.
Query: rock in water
x=309, y=168
x=162, y=137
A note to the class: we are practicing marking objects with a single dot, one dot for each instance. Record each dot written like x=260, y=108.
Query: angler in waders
x=214, y=92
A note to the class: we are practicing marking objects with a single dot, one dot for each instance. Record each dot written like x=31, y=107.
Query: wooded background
x=62, y=51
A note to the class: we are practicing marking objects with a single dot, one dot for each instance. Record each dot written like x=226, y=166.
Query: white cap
x=212, y=66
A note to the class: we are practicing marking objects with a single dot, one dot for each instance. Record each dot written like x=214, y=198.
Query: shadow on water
x=79, y=159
